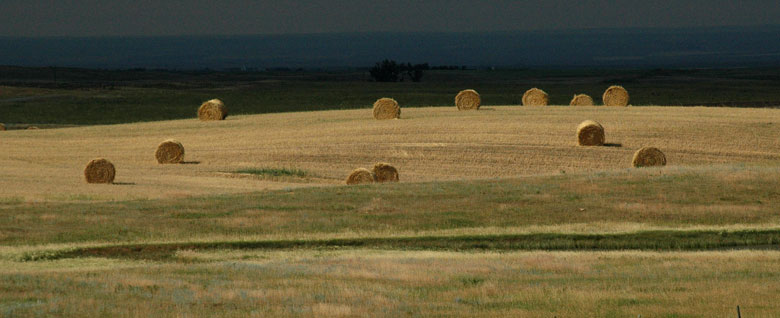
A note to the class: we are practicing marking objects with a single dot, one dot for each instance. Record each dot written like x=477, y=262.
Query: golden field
x=426, y=144
x=498, y=213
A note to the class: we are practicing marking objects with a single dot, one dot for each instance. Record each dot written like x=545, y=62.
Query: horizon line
x=529, y=31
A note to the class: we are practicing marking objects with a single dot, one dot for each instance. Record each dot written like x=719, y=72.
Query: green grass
x=670, y=198
x=149, y=96
x=363, y=283
x=275, y=172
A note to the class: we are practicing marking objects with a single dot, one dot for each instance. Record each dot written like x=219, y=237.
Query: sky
x=35, y=18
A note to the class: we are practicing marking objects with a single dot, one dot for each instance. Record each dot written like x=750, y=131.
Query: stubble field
x=498, y=212
x=426, y=144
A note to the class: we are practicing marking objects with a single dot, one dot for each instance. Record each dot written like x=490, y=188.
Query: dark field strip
x=649, y=240
x=92, y=97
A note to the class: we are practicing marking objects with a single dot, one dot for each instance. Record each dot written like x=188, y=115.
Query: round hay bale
x=386, y=108
x=360, y=175
x=590, y=133
x=32, y=127
x=615, y=96
x=468, y=99
x=581, y=100
x=99, y=171
x=649, y=156
x=385, y=173
x=535, y=97
x=170, y=151
x=2, y=127
x=212, y=110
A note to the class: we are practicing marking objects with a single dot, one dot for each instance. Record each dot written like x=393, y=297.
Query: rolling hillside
x=498, y=213
x=426, y=144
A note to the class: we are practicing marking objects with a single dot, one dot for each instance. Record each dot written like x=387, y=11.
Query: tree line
x=391, y=71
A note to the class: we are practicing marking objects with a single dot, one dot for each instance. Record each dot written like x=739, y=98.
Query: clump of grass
x=276, y=172
x=471, y=280
x=12, y=200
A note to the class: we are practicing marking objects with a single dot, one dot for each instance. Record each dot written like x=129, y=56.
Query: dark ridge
x=648, y=240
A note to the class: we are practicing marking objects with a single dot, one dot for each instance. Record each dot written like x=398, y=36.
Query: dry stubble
x=436, y=143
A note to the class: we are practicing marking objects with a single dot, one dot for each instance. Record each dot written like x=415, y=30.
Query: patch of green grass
x=469, y=281
x=371, y=283
x=275, y=172
x=11, y=200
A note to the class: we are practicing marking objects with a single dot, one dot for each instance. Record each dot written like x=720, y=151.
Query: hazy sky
x=198, y=17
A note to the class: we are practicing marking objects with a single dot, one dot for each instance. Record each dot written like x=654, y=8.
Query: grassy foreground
x=721, y=196
x=438, y=249
x=362, y=283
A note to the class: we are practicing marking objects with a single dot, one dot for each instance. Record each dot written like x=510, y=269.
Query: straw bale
x=360, y=175
x=590, y=133
x=212, y=110
x=385, y=173
x=99, y=171
x=468, y=99
x=649, y=156
x=169, y=151
x=581, y=100
x=386, y=108
x=535, y=97
x=615, y=96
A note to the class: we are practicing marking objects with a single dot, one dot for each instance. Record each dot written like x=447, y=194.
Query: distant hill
x=683, y=47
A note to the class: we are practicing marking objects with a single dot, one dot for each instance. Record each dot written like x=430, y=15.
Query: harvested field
x=436, y=143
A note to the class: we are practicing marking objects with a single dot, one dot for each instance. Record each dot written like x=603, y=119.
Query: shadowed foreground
x=361, y=283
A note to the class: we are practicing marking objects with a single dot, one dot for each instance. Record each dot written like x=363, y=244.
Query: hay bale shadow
x=123, y=183
x=190, y=162
x=613, y=145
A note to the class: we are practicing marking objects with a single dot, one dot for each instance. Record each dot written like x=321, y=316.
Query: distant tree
x=390, y=71
x=445, y=67
x=414, y=72
x=385, y=71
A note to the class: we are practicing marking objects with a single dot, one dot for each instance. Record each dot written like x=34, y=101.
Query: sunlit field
x=498, y=212
x=426, y=144
x=418, y=159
